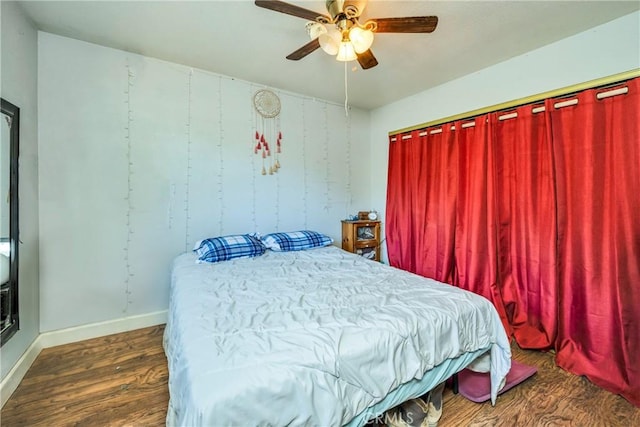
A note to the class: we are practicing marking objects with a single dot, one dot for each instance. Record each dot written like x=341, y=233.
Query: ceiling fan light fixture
x=346, y=52
x=362, y=39
x=333, y=32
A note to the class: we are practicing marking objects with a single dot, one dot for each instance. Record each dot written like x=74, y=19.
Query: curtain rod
x=615, y=78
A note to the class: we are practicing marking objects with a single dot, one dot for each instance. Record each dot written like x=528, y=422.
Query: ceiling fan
x=340, y=32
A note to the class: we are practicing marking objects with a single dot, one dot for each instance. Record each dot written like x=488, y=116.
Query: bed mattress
x=317, y=337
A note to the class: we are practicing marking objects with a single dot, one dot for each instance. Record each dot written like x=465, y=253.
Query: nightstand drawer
x=369, y=252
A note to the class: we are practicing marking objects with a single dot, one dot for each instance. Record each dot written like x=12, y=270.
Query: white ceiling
x=239, y=39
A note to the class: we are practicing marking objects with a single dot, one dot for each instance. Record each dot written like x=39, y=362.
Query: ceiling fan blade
x=413, y=24
x=367, y=60
x=290, y=9
x=304, y=50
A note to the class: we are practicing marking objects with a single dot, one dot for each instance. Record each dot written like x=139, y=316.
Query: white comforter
x=311, y=338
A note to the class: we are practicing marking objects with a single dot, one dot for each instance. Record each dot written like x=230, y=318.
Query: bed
x=316, y=337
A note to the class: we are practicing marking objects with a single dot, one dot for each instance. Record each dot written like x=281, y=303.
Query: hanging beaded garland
x=267, y=105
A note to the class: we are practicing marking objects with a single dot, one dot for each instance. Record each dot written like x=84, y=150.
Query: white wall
x=140, y=158
x=19, y=72
x=602, y=51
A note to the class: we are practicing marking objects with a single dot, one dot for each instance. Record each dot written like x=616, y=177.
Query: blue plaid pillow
x=295, y=240
x=224, y=248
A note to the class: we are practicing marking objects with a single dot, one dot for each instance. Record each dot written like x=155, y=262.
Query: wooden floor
x=121, y=380
x=115, y=380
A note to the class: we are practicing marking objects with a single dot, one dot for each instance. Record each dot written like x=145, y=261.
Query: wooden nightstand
x=362, y=237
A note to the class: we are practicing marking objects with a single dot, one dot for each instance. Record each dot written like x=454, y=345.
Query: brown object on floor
x=122, y=380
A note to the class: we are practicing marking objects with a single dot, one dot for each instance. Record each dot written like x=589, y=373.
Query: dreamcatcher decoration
x=267, y=121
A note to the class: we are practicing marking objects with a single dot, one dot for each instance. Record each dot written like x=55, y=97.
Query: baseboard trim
x=100, y=329
x=11, y=381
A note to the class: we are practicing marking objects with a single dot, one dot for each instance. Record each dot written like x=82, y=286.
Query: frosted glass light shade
x=330, y=40
x=361, y=39
x=329, y=44
x=315, y=30
x=346, y=52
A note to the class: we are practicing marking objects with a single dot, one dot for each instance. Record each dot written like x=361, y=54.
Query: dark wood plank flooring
x=121, y=380
x=552, y=397
x=115, y=380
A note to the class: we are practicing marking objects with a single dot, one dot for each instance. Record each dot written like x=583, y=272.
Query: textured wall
x=140, y=158
x=19, y=86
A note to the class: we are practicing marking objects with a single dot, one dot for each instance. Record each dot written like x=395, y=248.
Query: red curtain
x=597, y=151
x=475, y=235
x=526, y=209
x=418, y=207
x=441, y=156
x=400, y=240
x=422, y=165
x=541, y=215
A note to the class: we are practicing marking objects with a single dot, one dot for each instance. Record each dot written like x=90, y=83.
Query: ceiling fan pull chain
x=346, y=92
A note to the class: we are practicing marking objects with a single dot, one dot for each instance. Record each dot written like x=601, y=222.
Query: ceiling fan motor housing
x=345, y=9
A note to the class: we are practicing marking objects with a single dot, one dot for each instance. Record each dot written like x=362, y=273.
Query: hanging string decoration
x=326, y=159
x=187, y=184
x=127, y=136
x=221, y=159
x=254, y=190
x=267, y=105
x=305, y=179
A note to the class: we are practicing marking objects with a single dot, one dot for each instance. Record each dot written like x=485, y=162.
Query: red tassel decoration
x=263, y=145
